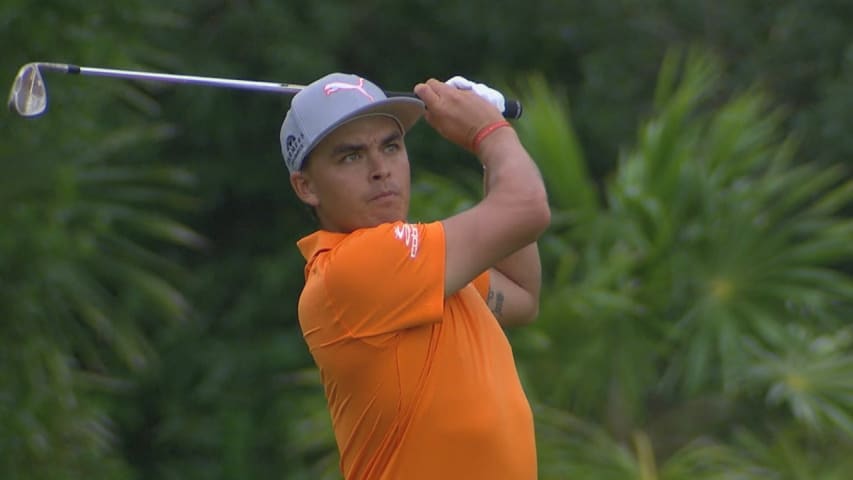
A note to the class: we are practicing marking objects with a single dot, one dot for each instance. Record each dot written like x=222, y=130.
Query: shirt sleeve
x=388, y=278
x=481, y=283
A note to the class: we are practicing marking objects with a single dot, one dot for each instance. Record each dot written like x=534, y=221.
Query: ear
x=304, y=188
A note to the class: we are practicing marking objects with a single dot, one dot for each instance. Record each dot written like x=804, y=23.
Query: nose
x=379, y=167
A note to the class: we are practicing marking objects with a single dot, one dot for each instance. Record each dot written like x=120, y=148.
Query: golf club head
x=28, y=96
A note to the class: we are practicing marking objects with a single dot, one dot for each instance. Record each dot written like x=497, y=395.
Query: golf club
x=28, y=96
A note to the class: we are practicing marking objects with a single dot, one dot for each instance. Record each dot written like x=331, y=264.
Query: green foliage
x=87, y=260
x=558, y=141
x=84, y=276
x=708, y=274
x=570, y=447
x=693, y=322
x=808, y=374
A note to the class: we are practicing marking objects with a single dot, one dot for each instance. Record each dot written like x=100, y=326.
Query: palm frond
x=714, y=237
x=551, y=140
x=82, y=273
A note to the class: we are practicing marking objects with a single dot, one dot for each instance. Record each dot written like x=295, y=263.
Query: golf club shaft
x=512, y=110
x=170, y=78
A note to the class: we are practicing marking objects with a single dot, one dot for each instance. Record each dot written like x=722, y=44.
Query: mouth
x=383, y=195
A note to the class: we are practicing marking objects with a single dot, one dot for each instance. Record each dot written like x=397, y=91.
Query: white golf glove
x=494, y=97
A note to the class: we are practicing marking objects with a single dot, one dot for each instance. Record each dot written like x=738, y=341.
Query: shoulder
x=385, y=278
x=391, y=241
x=375, y=253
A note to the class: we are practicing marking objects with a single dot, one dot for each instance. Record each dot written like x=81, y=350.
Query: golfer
x=404, y=320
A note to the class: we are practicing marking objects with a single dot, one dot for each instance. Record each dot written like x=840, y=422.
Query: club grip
x=512, y=107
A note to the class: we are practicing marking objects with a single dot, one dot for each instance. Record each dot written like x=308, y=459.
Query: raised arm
x=514, y=211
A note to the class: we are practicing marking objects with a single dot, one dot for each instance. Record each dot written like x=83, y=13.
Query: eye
x=350, y=157
x=392, y=147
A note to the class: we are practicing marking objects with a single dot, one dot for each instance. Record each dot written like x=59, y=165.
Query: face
x=358, y=176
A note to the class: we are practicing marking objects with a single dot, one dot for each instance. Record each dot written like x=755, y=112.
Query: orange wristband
x=486, y=131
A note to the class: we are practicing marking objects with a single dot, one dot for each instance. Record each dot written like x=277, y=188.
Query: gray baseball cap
x=331, y=101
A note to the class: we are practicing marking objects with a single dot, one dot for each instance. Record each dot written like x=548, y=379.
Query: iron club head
x=28, y=96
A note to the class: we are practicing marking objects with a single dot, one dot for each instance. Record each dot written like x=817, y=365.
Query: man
x=404, y=320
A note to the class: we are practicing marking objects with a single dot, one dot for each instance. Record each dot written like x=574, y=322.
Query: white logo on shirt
x=408, y=234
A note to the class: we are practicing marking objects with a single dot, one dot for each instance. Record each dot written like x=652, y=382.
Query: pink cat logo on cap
x=333, y=87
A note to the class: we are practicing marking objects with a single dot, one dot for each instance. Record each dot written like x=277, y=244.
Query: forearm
x=523, y=270
x=514, y=212
x=510, y=175
x=523, y=266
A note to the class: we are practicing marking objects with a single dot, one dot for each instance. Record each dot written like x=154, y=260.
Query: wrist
x=503, y=143
x=486, y=132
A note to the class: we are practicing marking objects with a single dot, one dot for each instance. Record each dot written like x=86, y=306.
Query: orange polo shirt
x=418, y=386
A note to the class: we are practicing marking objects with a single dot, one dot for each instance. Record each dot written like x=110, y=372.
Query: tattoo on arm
x=495, y=301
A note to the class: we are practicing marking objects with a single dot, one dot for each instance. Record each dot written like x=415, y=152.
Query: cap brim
x=406, y=110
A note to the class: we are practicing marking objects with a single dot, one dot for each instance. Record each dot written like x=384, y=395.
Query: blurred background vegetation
x=697, y=312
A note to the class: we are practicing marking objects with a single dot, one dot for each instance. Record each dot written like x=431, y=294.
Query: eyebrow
x=354, y=147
